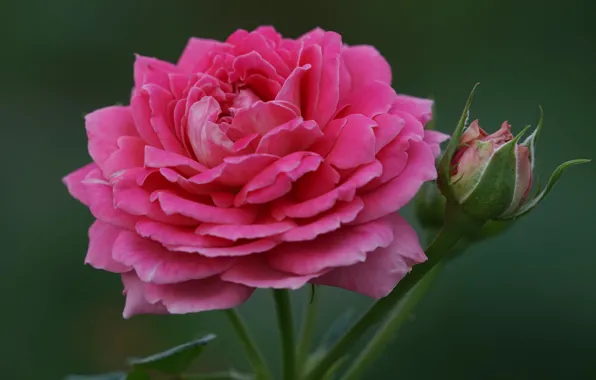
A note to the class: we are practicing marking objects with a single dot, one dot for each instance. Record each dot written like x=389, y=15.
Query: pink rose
x=258, y=162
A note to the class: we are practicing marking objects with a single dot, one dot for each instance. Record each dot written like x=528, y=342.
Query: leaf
x=445, y=163
x=103, y=376
x=554, y=178
x=175, y=360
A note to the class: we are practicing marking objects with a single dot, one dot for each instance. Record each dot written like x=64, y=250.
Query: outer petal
x=101, y=241
x=343, y=247
x=104, y=127
x=75, y=185
x=136, y=303
x=198, y=53
x=155, y=264
x=393, y=195
x=254, y=271
x=198, y=295
x=364, y=64
x=434, y=140
x=420, y=108
x=383, y=268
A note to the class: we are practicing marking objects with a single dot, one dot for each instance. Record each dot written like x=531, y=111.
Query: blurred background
x=522, y=306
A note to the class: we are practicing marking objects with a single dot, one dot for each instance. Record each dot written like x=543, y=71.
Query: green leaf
x=554, y=178
x=174, y=360
x=445, y=163
x=103, y=376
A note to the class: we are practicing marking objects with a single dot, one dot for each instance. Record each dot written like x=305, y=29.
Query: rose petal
x=255, y=246
x=175, y=235
x=245, y=231
x=434, y=140
x=343, y=247
x=198, y=53
x=254, y=271
x=173, y=204
x=262, y=117
x=158, y=158
x=420, y=108
x=136, y=303
x=383, y=267
x=208, y=141
x=345, y=192
x=293, y=136
x=235, y=171
x=104, y=127
x=321, y=82
x=198, y=295
x=155, y=264
x=75, y=185
x=290, y=91
x=276, y=180
x=355, y=143
x=129, y=155
x=101, y=241
x=343, y=213
x=394, y=194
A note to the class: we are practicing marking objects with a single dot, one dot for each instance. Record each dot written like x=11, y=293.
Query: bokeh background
x=522, y=306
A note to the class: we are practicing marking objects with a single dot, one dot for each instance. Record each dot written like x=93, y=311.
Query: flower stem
x=308, y=329
x=386, y=332
x=455, y=227
x=252, y=351
x=285, y=323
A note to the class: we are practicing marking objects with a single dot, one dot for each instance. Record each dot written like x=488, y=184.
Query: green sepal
x=173, y=361
x=494, y=191
x=554, y=178
x=444, y=170
x=531, y=140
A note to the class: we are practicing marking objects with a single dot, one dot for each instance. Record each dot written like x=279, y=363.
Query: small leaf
x=554, y=178
x=174, y=360
x=103, y=376
x=445, y=163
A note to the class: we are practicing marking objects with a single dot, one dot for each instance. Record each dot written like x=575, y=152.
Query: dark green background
x=522, y=306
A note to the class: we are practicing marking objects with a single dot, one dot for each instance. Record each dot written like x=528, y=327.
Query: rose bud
x=489, y=177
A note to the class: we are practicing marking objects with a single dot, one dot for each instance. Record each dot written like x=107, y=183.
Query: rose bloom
x=258, y=162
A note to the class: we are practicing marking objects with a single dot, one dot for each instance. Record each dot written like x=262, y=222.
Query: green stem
x=386, y=332
x=252, y=351
x=285, y=323
x=308, y=329
x=454, y=228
